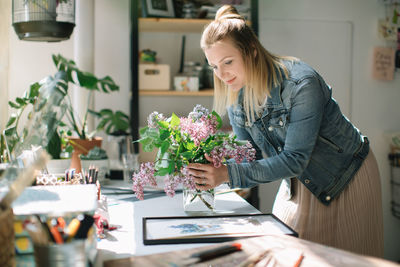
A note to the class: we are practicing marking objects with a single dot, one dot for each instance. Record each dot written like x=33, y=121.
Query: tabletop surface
x=126, y=212
x=124, y=246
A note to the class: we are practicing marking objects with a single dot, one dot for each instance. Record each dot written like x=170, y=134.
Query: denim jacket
x=302, y=133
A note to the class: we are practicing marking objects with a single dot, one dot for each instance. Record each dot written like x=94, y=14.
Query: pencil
x=299, y=260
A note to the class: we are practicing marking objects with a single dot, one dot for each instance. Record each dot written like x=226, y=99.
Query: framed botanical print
x=210, y=229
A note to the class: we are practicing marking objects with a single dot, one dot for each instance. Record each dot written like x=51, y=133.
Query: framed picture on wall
x=158, y=8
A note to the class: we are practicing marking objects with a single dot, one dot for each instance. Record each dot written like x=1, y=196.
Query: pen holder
x=64, y=255
x=7, y=250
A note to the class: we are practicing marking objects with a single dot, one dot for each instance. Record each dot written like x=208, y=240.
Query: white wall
x=374, y=105
x=31, y=61
x=5, y=16
x=112, y=51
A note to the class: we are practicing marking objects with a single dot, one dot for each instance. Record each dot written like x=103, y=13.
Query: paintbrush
x=24, y=179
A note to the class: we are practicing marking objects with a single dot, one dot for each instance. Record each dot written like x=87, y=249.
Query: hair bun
x=227, y=12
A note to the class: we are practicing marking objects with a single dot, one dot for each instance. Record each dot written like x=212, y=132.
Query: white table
x=127, y=213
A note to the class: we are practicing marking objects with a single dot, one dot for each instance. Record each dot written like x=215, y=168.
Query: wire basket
x=7, y=250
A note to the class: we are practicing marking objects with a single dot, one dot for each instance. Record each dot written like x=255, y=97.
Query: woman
x=330, y=191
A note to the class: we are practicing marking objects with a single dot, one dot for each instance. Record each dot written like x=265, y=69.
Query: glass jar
x=198, y=202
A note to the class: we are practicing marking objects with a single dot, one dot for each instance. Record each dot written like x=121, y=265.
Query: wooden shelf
x=172, y=25
x=203, y=92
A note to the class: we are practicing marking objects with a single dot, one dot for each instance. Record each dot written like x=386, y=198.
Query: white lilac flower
x=198, y=112
x=153, y=118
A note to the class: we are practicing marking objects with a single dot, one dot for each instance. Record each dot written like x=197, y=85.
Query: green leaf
x=106, y=111
x=146, y=140
x=171, y=166
x=164, y=147
x=143, y=130
x=10, y=131
x=54, y=146
x=152, y=132
x=11, y=120
x=164, y=134
x=14, y=105
x=107, y=85
x=34, y=90
x=20, y=101
x=55, y=59
x=12, y=138
x=112, y=122
x=87, y=80
x=163, y=124
x=148, y=147
x=190, y=146
x=188, y=154
x=162, y=172
x=94, y=113
x=175, y=120
x=69, y=149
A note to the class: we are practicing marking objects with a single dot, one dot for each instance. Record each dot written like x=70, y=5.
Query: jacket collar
x=273, y=101
x=275, y=98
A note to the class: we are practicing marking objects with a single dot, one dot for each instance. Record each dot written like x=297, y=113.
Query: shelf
x=172, y=25
x=203, y=92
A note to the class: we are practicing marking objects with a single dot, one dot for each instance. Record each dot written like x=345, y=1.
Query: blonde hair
x=264, y=70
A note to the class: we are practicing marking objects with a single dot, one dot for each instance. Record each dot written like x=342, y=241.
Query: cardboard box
x=154, y=77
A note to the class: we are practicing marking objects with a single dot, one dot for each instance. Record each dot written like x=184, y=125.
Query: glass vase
x=198, y=202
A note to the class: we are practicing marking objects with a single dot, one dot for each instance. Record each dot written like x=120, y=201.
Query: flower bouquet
x=186, y=140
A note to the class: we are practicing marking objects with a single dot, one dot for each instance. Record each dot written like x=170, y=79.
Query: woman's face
x=227, y=62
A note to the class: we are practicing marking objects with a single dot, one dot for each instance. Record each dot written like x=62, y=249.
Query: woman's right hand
x=206, y=176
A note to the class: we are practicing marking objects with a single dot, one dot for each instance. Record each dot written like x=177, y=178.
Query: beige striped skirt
x=353, y=221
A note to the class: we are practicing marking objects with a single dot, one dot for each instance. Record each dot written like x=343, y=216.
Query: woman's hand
x=206, y=176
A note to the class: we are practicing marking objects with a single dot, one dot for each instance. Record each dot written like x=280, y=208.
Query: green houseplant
x=109, y=121
x=57, y=144
x=67, y=73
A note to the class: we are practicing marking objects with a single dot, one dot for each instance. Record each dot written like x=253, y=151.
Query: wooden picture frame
x=158, y=8
x=211, y=229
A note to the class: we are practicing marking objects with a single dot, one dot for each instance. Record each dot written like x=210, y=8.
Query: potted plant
x=108, y=121
x=96, y=157
x=58, y=145
x=72, y=131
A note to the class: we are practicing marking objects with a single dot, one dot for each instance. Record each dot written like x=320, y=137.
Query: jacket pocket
x=276, y=122
x=330, y=144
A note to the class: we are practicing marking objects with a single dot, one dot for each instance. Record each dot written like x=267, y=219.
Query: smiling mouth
x=230, y=81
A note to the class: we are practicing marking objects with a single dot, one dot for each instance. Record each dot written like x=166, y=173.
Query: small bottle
x=188, y=11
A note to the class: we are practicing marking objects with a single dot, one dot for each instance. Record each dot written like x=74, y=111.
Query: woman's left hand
x=206, y=176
